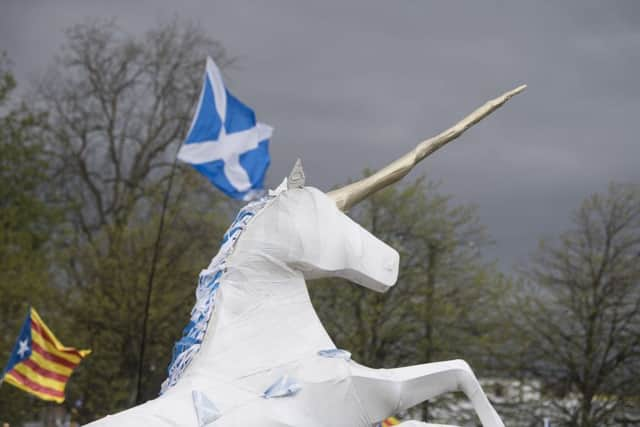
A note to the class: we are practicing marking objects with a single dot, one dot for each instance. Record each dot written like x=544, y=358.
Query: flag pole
x=152, y=272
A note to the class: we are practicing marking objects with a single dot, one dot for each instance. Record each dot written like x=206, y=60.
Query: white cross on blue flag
x=225, y=143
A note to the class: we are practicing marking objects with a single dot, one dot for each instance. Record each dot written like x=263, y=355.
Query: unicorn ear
x=296, y=177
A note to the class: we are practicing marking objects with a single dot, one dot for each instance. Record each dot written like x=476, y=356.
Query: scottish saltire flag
x=39, y=363
x=225, y=143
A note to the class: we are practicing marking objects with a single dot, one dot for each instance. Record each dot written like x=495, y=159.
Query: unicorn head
x=304, y=228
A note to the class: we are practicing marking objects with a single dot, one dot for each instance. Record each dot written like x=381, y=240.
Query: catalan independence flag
x=391, y=421
x=39, y=363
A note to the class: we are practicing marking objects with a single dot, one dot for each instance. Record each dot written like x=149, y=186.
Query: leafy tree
x=582, y=314
x=441, y=306
x=119, y=107
x=27, y=224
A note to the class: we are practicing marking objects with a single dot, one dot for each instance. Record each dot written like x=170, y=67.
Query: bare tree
x=582, y=316
x=119, y=106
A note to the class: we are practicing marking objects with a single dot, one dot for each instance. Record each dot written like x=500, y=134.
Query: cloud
x=350, y=85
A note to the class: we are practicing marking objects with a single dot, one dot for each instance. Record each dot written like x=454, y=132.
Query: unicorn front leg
x=387, y=391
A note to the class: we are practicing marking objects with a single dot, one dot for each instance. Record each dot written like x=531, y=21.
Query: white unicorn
x=255, y=352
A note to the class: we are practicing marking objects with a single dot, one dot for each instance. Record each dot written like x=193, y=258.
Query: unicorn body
x=262, y=328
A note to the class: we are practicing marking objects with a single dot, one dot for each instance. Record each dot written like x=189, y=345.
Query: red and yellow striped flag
x=39, y=363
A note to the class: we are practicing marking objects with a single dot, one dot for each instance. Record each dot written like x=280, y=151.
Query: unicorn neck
x=261, y=308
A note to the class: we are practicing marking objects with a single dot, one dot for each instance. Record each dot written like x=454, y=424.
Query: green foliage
x=27, y=222
x=439, y=306
x=119, y=107
x=117, y=110
x=107, y=306
x=442, y=306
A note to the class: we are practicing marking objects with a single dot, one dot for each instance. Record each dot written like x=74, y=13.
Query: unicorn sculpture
x=255, y=352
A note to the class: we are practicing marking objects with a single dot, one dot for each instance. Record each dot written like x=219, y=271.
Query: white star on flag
x=24, y=348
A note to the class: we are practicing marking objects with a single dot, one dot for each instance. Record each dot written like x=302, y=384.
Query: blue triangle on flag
x=207, y=123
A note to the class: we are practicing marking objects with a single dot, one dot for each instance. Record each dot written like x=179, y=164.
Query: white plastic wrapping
x=259, y=352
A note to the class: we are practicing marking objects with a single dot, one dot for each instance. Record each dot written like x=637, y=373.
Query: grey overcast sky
x=354, y=84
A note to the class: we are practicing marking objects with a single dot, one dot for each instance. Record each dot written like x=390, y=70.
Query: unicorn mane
x=185, y=349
